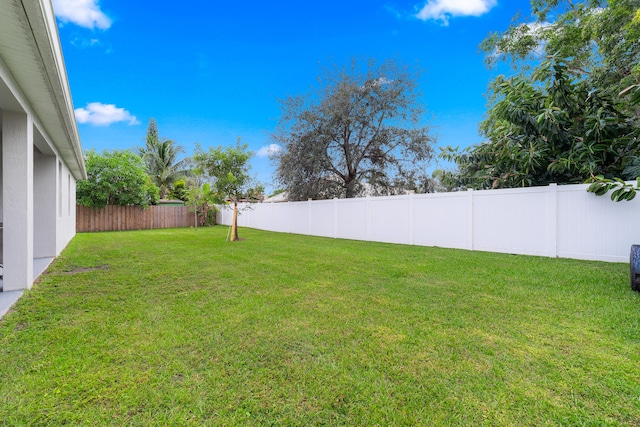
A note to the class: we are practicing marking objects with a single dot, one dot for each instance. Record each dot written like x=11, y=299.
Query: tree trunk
x=234, y=223
x=350, y=191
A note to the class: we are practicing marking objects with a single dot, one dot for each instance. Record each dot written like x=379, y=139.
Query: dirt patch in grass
x=77, y=270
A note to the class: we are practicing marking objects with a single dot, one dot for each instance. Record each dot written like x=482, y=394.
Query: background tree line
x=144, y=176
x=568, y=113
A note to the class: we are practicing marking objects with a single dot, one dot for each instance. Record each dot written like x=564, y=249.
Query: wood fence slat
x=118, y=218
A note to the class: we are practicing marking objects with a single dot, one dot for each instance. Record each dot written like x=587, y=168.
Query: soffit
x=30, y=49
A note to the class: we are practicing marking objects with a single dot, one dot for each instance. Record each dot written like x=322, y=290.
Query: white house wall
x=17, y=192
x=44, y=200
x=66, y=215
x=37, y=201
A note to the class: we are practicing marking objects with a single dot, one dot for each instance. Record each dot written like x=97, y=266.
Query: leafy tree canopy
x=360, y=130
x=228, y=171
x=597, y=39
x=201, y=200
x=561, y=118
x=116, y=178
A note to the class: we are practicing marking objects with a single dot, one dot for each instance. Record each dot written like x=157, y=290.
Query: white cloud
x=100, y=114
x=268, y=150
x=442, y=10
x=84, y=13
x=82, y=43
x=393, y=11
x=534, y=29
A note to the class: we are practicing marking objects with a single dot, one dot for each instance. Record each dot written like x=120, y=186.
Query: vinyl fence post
x=367, y=207
x=270, y=226
x=470, y=219
x=411, y=218
x=335, y=217
x=309, y=216
x=552, y=221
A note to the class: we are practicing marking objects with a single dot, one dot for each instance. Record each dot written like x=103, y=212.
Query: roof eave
x=56, y=114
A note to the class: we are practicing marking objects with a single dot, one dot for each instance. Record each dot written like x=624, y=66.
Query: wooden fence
x=119, y=218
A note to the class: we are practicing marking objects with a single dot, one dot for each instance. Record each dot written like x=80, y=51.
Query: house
x=282, y=196
x=40, y=152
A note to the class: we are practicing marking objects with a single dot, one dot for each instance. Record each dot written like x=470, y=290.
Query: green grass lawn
x=179, y=327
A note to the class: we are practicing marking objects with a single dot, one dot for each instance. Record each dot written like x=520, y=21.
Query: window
x=59, y=189
x=69, y=194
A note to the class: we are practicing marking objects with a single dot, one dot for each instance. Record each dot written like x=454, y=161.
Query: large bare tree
x=360, y=132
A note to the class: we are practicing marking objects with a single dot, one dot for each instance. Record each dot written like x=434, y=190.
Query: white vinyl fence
x=556, y=221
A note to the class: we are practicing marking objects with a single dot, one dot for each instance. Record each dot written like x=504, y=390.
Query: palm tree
x=161, y=158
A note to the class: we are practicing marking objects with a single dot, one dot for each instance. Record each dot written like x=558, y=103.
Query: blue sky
x=211, y=71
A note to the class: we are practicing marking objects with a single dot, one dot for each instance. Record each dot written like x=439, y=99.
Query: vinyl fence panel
x=442, y=220
x=595, y=227
x=389, y=219
x=298, y=218
x=511, y=221
x=322, y=218
x=555, y=221
x=351, y=219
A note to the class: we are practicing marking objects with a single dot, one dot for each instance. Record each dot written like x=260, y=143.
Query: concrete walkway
x=7, y=299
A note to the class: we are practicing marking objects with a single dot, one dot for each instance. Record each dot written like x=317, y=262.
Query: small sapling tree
x=201, y=200
x=228, y=169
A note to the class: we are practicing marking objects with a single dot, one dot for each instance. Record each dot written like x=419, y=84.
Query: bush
x=116, y=178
